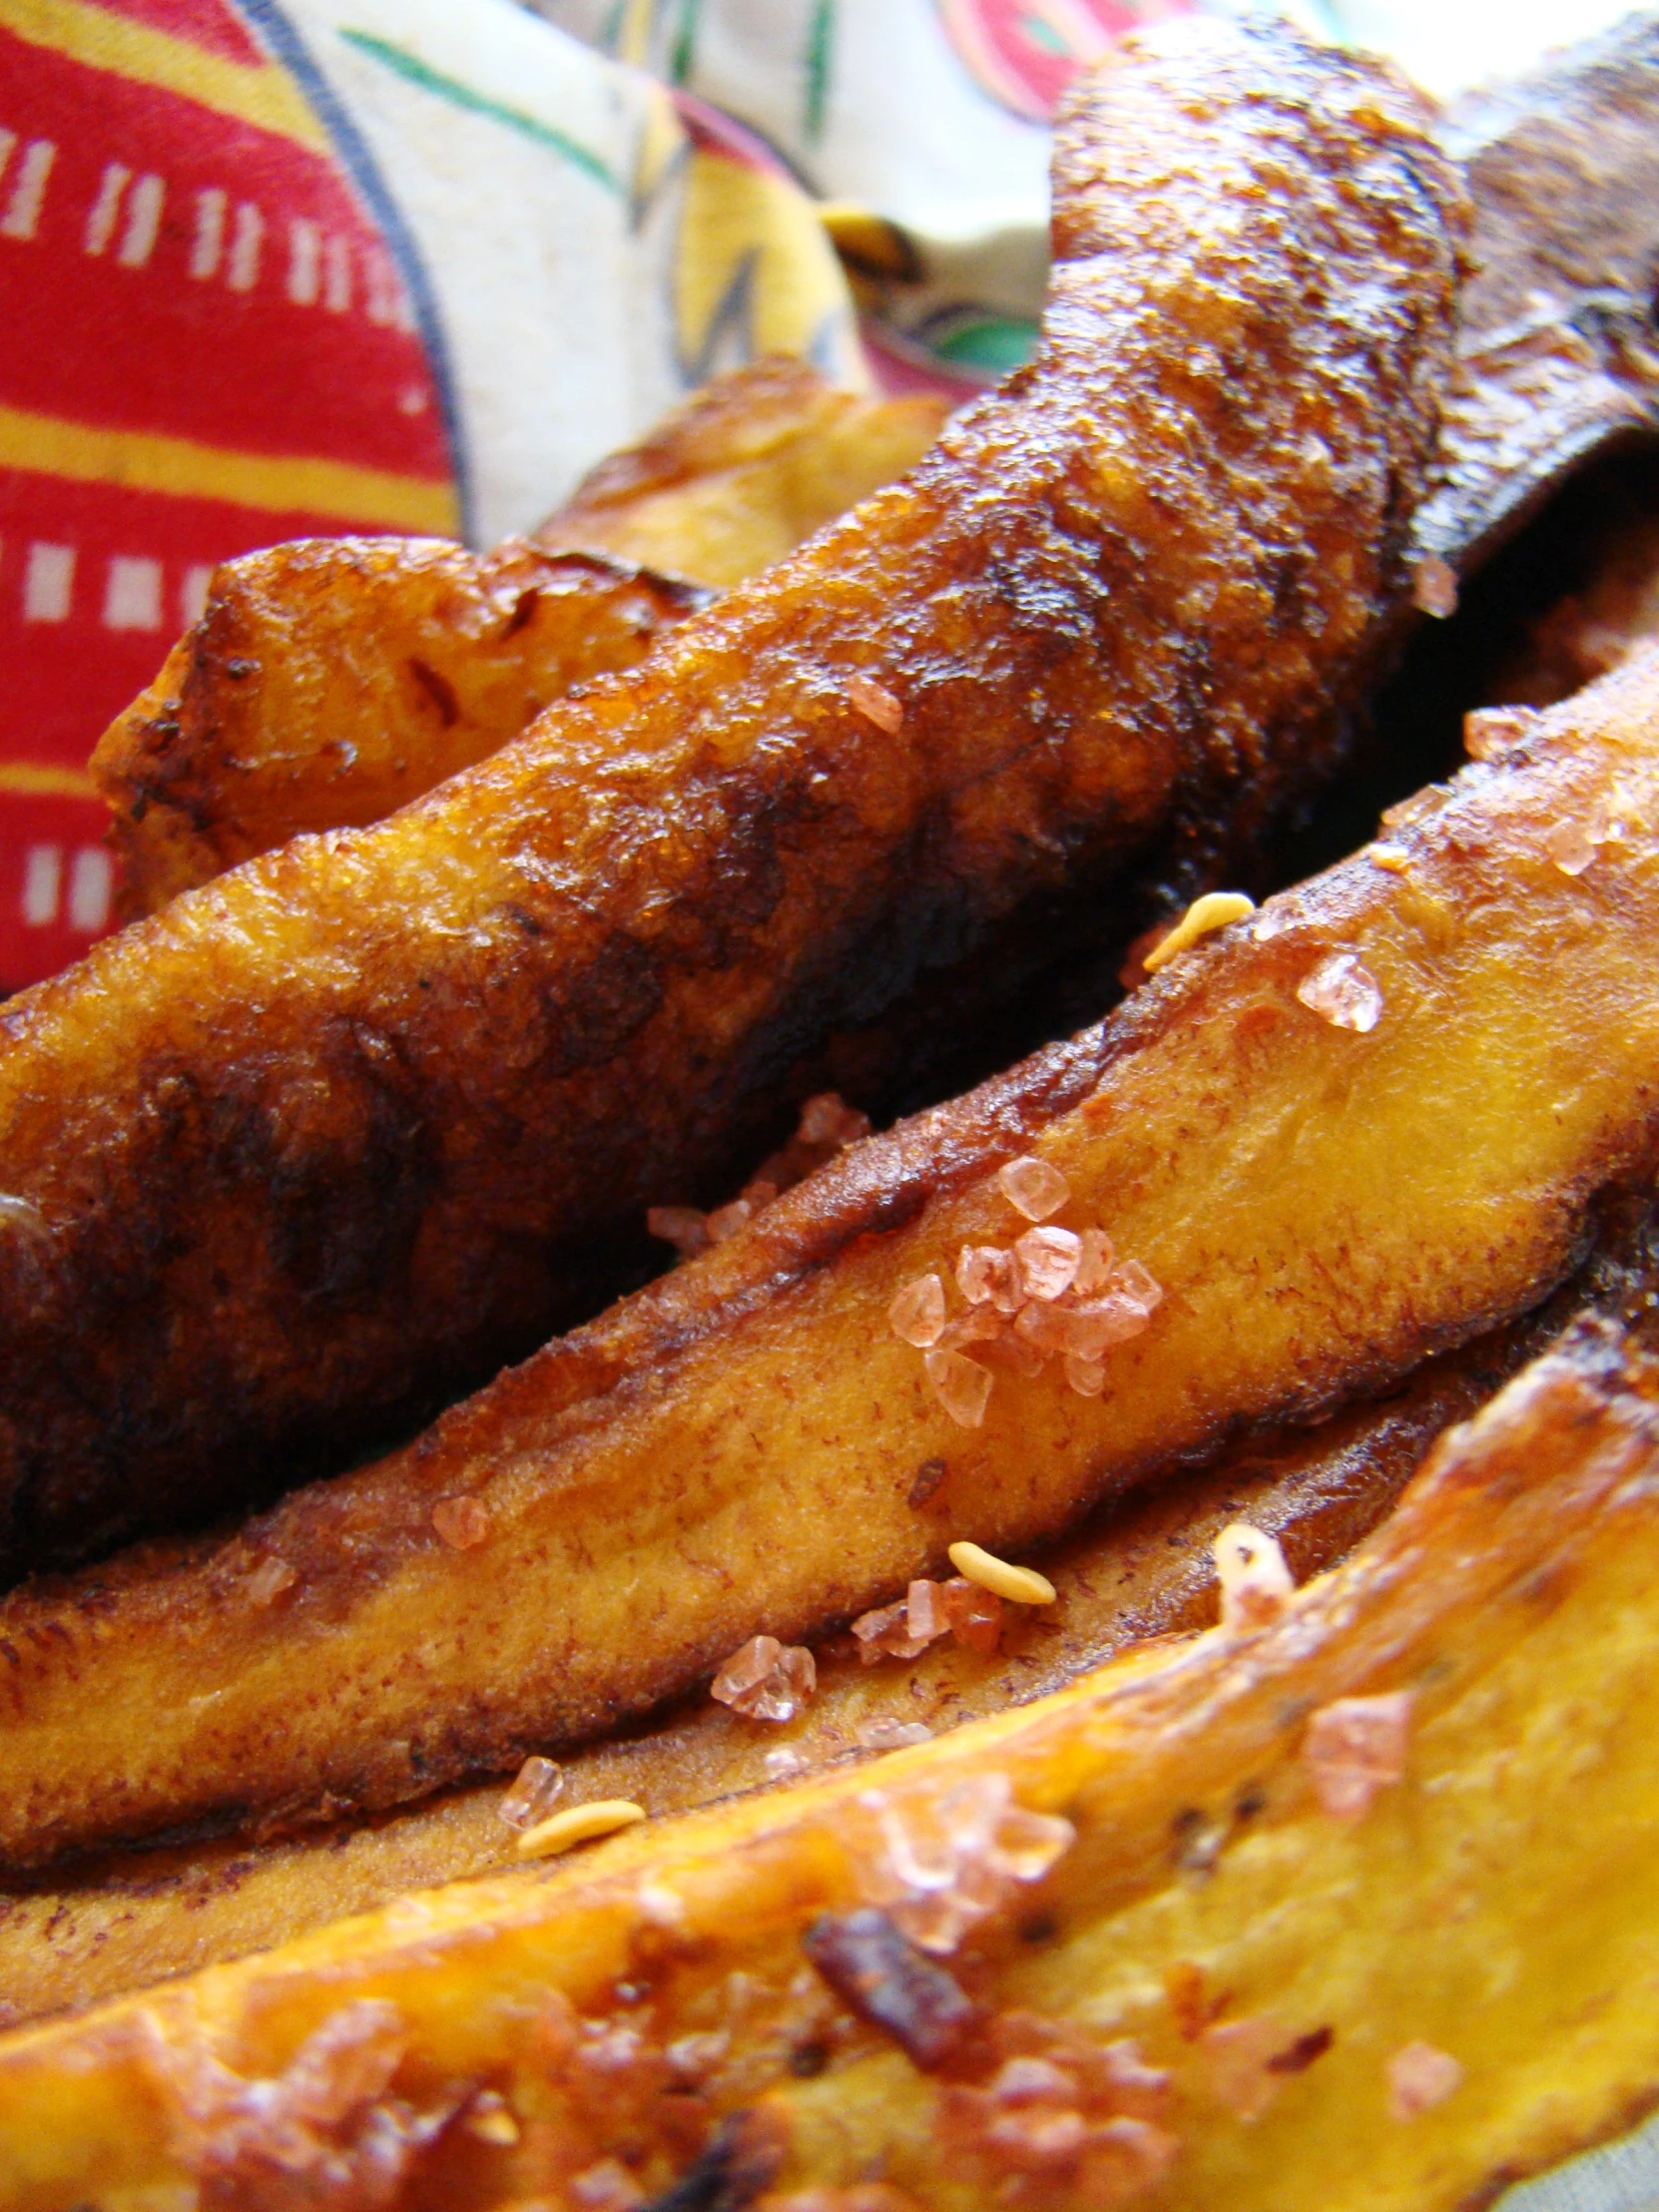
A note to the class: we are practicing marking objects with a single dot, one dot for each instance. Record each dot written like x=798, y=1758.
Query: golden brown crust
x=1249, y=1150
x=1382, y=2007
x=331, y=679
x=323, y=1136
x=753, y=462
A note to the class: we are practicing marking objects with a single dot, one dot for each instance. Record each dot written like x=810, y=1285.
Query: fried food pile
x=947, y=1881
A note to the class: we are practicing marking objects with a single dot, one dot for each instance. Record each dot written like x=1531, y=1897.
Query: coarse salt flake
x=269, y=1579
x=534, y=1793
x=1235, y=2062
x=1574, y=846
x=875, y=704
x=1490, y=732
x=974, y=1614
x=988, y=1276
x=1421, y=2077
x=683, y=1227
x=1434, y=588
x=1343, y=991
x=1094, y=1262
x=1354, y=1747
x=961, y=1385
x=1048, y=1260
x=766, y=1680
x=1256, y=1583
x=916, y=1314
x=1086, y=1377
x=887, y=1734
x=460, y=1522
x=727, y=1221
x=826, y=1118
x=1033, y=1187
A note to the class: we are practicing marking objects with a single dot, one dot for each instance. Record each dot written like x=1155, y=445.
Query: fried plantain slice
x=753, y=462
x=1347, y=1133
x=331, y=679
x=337, y=1133
x=1142, y=1568
x=1300, y=1913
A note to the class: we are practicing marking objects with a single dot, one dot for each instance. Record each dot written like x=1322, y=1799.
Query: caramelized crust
x=753, y=463
x=1325, y=1198
x=321, y=1139
x=333, y=680
x=1140, y=1569
x=1164, y=1969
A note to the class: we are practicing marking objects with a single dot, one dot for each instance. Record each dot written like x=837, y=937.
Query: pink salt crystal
x=1434, y=588
x=683, y=1227
x=1048, y=1260
x=884, y=1633
x=780, y=1764
x=887, y=1734
x=1138, y=1284
x=605, y=2187
x=269, y=1579
x=1236, y=2055
x=1255, y=1584
x=1574, y=846
x=974, y=1614
x=1094, y=1262
x=961, y=1385
x=946, y=1861
x=1344, y=993
x=980, y=1325
x=726, y=1221
x=766, y=1680
x=1022, y=1355
x=1086, y=1377
x=1490, y=732
x=1034, y=1188
x=460, y=1522
x=1082, y=1332
x=1420, y=2077
x=924, y=1611
x=916, y=1314
x=1354, y=1747
x=875, y=704
x=827, y=1119
x=534, y=1793
x=988, y=1276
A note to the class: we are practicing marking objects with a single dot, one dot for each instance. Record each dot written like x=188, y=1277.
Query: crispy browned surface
x=753, y=462
x=1323, y=1207
x=331, y=679
x=1555, y=343
x=605, y=2022
x=317, y=1140
x=1138, y=1569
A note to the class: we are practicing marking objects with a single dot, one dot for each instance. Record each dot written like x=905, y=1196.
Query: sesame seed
x=1019, y=1585
x=1213, y=912
x=578, y=1823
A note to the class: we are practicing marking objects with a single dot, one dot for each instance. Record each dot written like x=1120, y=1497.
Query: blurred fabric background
x=275, y=268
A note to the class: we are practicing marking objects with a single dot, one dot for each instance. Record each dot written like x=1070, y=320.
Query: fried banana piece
x=1356, y=1130
x=1141, y=1569
x=330, y=1135
x=748, y=467
x=1353, y=1898
x=331, y=679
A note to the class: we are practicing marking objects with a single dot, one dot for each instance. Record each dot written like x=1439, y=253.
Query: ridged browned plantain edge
x=1140, y=1569
x=1556, y=357
x=331, y=1133
x=1322, y=1205
x=330, y=680
x=1189, y=1882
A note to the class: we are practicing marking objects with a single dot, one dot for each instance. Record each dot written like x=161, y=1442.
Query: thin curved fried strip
x=329, y=1135
x=1356, y=1130
x=1296, y=1914
x=753, y=462
x=331, y=679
